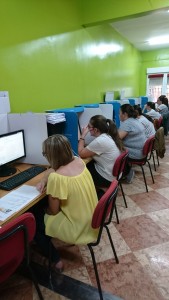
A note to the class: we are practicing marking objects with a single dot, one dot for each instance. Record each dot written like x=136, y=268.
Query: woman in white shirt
x=150, y=106
x=104, y=149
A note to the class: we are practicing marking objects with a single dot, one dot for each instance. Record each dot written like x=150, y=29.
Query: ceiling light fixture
x=159, y=40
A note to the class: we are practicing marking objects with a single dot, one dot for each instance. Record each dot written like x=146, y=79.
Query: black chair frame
x=104, y=224
x=119, y=177
x=141, y=165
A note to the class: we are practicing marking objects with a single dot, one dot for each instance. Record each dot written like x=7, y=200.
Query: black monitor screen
x=12, y=148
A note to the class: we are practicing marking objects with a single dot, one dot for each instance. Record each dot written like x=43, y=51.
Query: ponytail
x=107, y=126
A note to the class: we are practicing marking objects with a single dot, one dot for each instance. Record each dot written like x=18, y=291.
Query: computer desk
x=33, y=182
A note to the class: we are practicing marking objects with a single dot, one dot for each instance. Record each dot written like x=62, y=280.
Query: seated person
x=150, y=106
x=132, y=132
x=162, y=104
x=104, y=149
x=72, y=199
x=148, y=125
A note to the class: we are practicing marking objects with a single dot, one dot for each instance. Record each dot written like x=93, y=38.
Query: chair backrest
x=159, y=143
x=14, y=239
x=148, y=146
x=120, y=164
x=160, y=121
x=105, y=206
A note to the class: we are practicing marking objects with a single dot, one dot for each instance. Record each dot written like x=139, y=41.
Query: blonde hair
x=57, y=150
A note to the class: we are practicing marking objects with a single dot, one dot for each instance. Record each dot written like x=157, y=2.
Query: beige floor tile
x=161, y=217
x=132, y=210
x=155, y=261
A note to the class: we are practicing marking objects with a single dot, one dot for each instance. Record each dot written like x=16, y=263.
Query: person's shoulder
x=144, y=120
x=102, y=136
x=52, y=176
x=79, y=161
x=128, y=121
x=133, y=120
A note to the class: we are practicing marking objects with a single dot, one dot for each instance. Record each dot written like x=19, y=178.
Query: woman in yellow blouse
x=72, y=198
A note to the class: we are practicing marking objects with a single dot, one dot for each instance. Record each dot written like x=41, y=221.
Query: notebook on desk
x=16, y=200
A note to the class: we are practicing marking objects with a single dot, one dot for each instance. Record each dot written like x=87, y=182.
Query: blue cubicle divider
x=71, y=109
x=144, y=100
x=70, y=127
x=116, y=111
x=95, y=105
x=132, y=102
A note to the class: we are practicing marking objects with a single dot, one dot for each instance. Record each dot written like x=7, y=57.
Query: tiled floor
x=142, y=244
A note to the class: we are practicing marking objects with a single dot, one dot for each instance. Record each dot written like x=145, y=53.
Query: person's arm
x=53, y=206
x=42, y=184
x=82, y=150
x=122, y=134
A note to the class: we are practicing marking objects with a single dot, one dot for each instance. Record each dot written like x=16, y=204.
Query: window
x=167, y=94
x=157, y=82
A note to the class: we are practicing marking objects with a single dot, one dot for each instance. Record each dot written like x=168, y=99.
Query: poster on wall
x=109, y=96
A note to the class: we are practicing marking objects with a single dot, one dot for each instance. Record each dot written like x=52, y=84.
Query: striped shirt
x=148, y=126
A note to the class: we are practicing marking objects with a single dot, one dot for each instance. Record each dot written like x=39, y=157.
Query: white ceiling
x=138, y=30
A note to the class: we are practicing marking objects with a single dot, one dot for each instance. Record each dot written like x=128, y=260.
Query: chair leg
x=144, y=178
x=117, y=217
x=153, y=161
x=27, y=264
x=96, y=272
x=157, y=158
x=35, y=283
x=112, y=245
x=125, y=202
x=50, y=265
x=50, y=260
x=150, y=171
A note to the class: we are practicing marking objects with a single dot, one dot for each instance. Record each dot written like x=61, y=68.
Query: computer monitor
x=12, y=148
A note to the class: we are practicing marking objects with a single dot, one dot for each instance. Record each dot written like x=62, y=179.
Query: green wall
x=152, y=59
x=62, y=71
x=27, y=20
x=95, y=11
x=48, y=60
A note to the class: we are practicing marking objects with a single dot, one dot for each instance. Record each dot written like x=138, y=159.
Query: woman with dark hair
x=72, y=199
x=132, y=132
x=162, y=103
x=150, y=107
x=148, y=126
x=104, y=149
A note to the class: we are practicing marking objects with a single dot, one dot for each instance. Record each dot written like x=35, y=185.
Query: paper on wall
x=4, y=102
